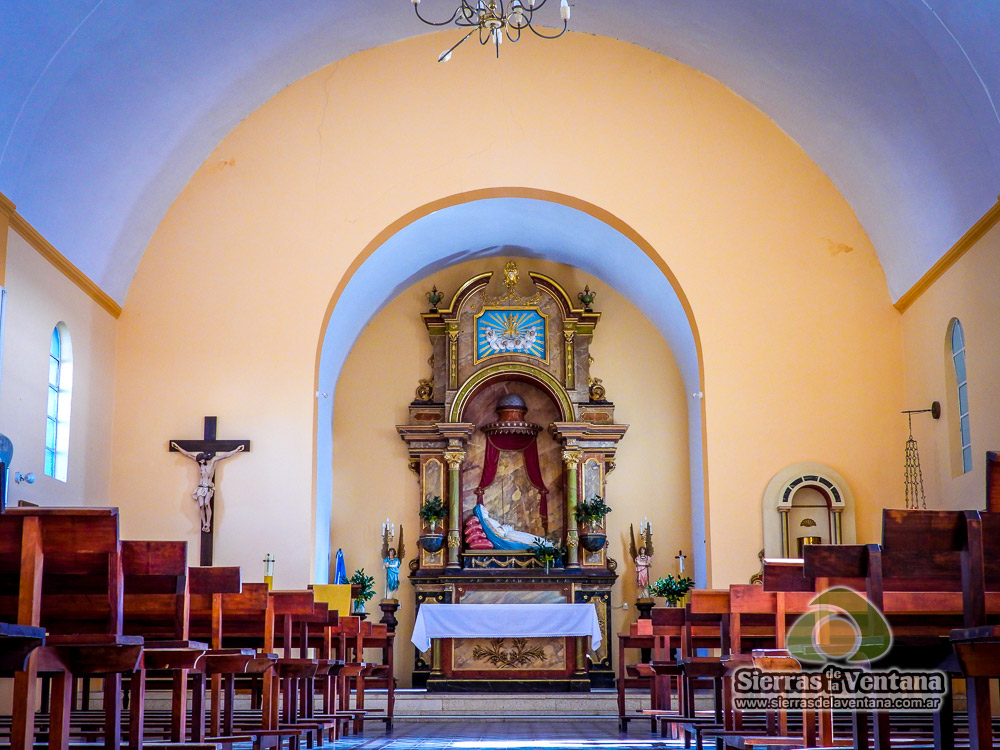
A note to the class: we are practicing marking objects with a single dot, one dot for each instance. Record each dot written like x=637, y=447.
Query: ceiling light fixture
x=494, y=20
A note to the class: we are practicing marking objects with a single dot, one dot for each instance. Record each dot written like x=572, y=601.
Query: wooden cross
x=209, y=446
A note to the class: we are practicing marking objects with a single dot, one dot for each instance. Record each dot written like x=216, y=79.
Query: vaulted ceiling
x=107, y=107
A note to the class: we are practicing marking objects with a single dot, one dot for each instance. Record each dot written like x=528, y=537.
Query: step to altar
x=413, y=704
x=419, y=704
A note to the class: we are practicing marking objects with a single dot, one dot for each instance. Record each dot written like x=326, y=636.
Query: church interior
x=290, y=291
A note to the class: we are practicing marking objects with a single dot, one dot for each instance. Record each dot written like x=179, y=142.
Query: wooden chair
x=977, y=644
x=238, y=619
x=914, y=578
x=628, y=674
x=61, y=569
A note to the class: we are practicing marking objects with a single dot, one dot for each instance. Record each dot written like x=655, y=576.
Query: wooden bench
x=61, y=569
x=977, y=644
x=157, y=606
x=238, y=619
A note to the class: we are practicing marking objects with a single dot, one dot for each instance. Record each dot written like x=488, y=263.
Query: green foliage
x=548, y=552
x=367, y=584
x=670, y=588
x=591, y=511
x=433, y=509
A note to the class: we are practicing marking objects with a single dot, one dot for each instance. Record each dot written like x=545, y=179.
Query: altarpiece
x=512, y=432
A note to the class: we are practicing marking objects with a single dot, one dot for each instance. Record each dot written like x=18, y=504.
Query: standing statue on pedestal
x=642, y=557
x=391, y=559
x=643, y=563
x=205, y=490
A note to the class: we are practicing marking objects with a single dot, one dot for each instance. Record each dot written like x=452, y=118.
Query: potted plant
x=591, y=514
x=432, y=511
x=366, y=590
x=548, y=553
x=672, y=589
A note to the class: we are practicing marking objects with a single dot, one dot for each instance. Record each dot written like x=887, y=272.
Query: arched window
x=58, y=406
x=964, y=435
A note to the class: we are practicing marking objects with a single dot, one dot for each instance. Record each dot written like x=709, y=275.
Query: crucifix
x=207, y=452
x=680, y=557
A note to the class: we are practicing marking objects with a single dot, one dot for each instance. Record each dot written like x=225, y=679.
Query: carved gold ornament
x=597, y=390
x=519, y=656
x=425, y=391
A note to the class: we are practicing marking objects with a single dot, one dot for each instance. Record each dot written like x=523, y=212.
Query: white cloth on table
x=505, y=621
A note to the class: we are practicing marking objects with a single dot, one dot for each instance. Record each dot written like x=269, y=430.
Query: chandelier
x=495, y=19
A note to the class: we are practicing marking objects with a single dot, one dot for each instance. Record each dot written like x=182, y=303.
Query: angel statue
x=642, y=556
x=391, y=559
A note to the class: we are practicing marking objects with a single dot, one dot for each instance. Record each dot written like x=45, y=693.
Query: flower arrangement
x=433, y=510
x=670, y=588
x=548, y=553
x=591, y=511
x=367, y=584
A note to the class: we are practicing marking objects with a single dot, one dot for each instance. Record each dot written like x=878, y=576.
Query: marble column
x=454, y=459
x=572, y=460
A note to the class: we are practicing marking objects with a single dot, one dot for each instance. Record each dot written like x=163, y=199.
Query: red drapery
x=528, y=445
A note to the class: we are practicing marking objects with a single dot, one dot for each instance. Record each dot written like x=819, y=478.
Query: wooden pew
x=628, y=675
x=157, y=607
x=350, y=634
x=977, y=643
x=61, y=569
x=382, y=674
x=16, y=644
x=238, y=620
x=915, y=579
x=685, y=632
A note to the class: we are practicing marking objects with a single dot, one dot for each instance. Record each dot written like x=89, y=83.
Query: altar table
x=505, y=621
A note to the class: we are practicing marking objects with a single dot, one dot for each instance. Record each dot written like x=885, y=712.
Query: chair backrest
x=156, y=589
x=922, y=549
x=61, y=568
x=992, y=482
x=291, y=607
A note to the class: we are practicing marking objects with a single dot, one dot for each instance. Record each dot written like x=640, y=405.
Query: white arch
x=508, y=227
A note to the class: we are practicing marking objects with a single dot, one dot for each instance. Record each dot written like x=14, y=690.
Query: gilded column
x=453, y=355
x=454, y=459
x=570, y=356
x=572, y=460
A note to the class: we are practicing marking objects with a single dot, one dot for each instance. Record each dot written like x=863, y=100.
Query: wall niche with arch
x=806, y=503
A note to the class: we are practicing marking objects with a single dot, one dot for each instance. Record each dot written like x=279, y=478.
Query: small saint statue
x=391, y=559
x=205, y=490
x=642, y=556
x=643, y=562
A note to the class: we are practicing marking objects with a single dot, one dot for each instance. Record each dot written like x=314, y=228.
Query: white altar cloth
x=505, y=621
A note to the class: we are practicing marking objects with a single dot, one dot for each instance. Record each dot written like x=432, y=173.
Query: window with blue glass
x=58, y=404
x=962, y=383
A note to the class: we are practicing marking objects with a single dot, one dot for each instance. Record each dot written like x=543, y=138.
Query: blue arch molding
x=503, y=227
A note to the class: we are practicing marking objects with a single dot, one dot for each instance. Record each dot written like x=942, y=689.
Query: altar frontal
x=507, y=437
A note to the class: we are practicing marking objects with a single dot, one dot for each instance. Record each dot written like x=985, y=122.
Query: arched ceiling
x=109, y=106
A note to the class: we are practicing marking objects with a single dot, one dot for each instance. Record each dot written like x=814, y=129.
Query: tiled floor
x=505, y=735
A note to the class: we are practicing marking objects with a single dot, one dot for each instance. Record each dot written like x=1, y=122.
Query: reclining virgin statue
x=505, y=536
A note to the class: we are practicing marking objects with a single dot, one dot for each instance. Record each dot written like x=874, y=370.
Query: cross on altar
x=207, y=452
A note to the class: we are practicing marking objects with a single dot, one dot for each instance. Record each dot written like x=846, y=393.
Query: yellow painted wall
x=370, y=475
x=39, y=297
x=967, y=291
x=802, y=349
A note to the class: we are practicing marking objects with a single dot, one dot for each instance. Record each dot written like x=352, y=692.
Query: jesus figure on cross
x=205, y=490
